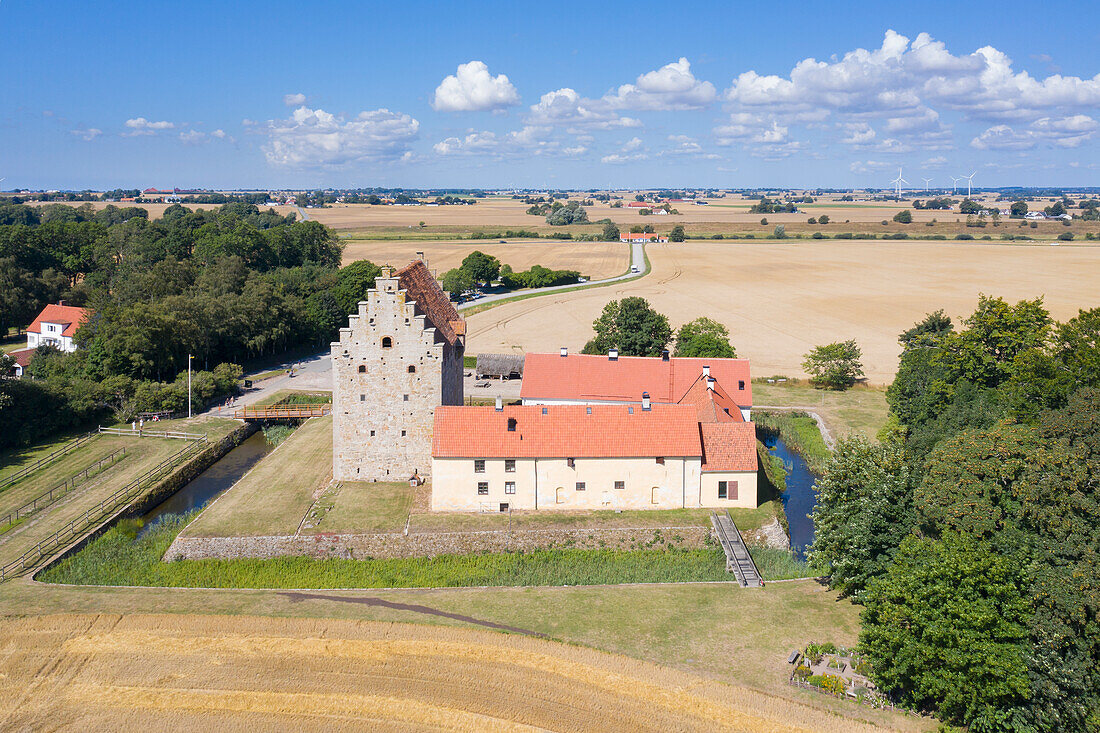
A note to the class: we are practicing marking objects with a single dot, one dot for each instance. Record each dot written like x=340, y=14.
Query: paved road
x=302, y=213
x=637, y=259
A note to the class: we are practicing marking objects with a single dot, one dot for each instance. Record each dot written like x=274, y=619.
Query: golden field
x=596, y=260
x=781, y=298
x=106, y=671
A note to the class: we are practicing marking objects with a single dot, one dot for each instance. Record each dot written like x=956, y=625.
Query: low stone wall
x=430, y=544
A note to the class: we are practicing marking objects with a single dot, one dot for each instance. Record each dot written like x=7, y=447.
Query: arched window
x=362, y=368
x=412, y=369
x=387, y=342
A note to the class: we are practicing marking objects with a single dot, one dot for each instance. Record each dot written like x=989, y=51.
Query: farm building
x=597, y=438
x=499, y=366
x=633, y=237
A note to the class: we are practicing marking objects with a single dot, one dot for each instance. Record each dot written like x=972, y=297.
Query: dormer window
x=387, y=342
x=511, y=425
x=362, y=368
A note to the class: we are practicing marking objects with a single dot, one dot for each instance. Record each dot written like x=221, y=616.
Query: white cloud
x=249, y=122
x=671, y=87
x=530, y=140
x=869, y=166
x=192, y=137
x=294, y=100
x=219, y=133
x=142, y=126
x=564, y=107
x=1065, y=132
x=632, y=144
x=472, y=88
x=87, y=134
x=935, y=162
x=859, y=133
x=314, y=137
x=620, y=158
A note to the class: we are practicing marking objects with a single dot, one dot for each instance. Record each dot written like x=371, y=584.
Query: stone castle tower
x=399, y=358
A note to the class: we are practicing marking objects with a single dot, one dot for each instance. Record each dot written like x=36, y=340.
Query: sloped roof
x=417, y=281
x=69, y=316
x=22, y=356
x=499, y=364
x=582, y=377
x=566, y=431
x=712, y=405
x=729, y=446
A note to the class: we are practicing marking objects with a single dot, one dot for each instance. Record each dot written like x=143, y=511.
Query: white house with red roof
x=56, y=325
x=603, y=432
x=642, y=237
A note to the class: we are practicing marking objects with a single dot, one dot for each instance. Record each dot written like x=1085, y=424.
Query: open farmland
x=245, y=673
x=780, y=299
x=596, y=260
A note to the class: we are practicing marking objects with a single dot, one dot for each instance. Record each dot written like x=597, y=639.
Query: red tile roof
x=729, y=446
x=417, y=280
x=69, y=316
x=566, y=431
x=639, y=204
x=581, y=377
x=22, y=356
x=712, y=405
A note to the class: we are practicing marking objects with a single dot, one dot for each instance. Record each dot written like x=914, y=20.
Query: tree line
x=970, y=531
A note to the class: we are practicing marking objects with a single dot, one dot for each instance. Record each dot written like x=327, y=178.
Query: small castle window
x=362, y=368
x=511, y=425
x=402, y=433
x=372, y=433
x=412, y=369
x=362, y=398
x=405, y=397
x=387, y=342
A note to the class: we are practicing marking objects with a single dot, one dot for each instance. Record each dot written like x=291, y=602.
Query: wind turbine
x=926, y=180
x=969, y=182
x=955, y=184
x=897, y=182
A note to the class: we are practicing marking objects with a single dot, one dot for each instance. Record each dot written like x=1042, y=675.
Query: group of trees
x=636, y=329
x=224, y=285
x=478, y=268
x=767, y=206
x=970, y=532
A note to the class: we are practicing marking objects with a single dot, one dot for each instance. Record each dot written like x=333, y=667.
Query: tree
x=764, y=221
x=904, y=217
x=864, y=510
x=704, y=337
x=610, y=232
x=355, y=280
x=834, y=366
x=481, y=267
x=823, y=219
x=945, y=628
x=1018, y=209
x=677, y=234
x=457, y=281
x=780, y=232
x=930, y=330
x=969, y=207
x=631, y=326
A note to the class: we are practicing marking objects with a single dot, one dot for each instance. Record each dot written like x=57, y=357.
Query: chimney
x=387, y=271
x=61, y=302
x=613, y=354
x=564, y=351
x=710, y=383
x=500, y=404
x=664, y=354
x=706, y=370
x=645, y=401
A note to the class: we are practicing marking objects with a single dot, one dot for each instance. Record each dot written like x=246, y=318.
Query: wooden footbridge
x=281, y=412
x=738, y=560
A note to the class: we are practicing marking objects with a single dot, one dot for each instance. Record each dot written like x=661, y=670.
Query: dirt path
x=245, y=673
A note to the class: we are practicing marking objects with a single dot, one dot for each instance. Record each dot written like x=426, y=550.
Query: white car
x=634, y=268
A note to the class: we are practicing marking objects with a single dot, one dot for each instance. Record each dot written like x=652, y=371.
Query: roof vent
x=706, y=370
x=564, y=351
x=645, y=400
x=613, y=354
x=664, y=354
x=500, y=404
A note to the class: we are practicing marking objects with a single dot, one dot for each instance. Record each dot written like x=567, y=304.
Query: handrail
x=68, y=447
x=143, y=433
x=111, y=505
x=277, y=411
x=61, y=489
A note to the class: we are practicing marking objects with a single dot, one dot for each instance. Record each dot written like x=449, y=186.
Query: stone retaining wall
x=430, y=544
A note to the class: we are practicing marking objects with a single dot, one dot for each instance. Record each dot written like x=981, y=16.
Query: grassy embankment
x=801, y=434
x=861, y=409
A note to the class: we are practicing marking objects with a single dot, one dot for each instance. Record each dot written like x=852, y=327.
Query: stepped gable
x=420, y=286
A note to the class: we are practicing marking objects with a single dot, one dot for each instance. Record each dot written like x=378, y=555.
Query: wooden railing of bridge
x=281, y=412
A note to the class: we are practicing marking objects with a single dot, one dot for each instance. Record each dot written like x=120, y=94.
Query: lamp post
x=189, y=358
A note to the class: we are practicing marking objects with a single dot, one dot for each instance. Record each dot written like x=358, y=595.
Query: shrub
x=964, y=236
x=802, y=672
x=1066, y=236
x=843, y=235
x=828, y=682
x=764, y=221
x=818, y=235
x=903, y=217
x=823, y=219
x=811, y=220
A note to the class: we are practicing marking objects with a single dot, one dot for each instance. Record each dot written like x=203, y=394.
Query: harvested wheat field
x=176, y=672
x=780, y=299
x=596, y=260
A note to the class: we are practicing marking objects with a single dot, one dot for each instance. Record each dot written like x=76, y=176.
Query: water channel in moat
x=210, y=484
x=799, y=499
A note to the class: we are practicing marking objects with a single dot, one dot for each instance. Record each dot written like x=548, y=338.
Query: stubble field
x=86, y=672
x=593, y=259
x=780, y=299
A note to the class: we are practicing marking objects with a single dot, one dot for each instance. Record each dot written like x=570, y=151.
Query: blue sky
x=273, y=94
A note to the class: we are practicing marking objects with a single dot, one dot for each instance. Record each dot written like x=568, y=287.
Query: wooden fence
x=143, y=433
x=46, y=498
x=98, y=514
x=67, y=448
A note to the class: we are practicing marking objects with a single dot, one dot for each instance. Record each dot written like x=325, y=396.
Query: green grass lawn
x=294, y=394
x=362, y=507
x=273, y=498
x=861, y=409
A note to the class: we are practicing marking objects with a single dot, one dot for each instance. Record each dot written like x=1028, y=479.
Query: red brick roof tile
x=566, y=431
x=712, y=405
x=420, y=286
x=729, y=446
x=69, y=316
x=582, y=377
